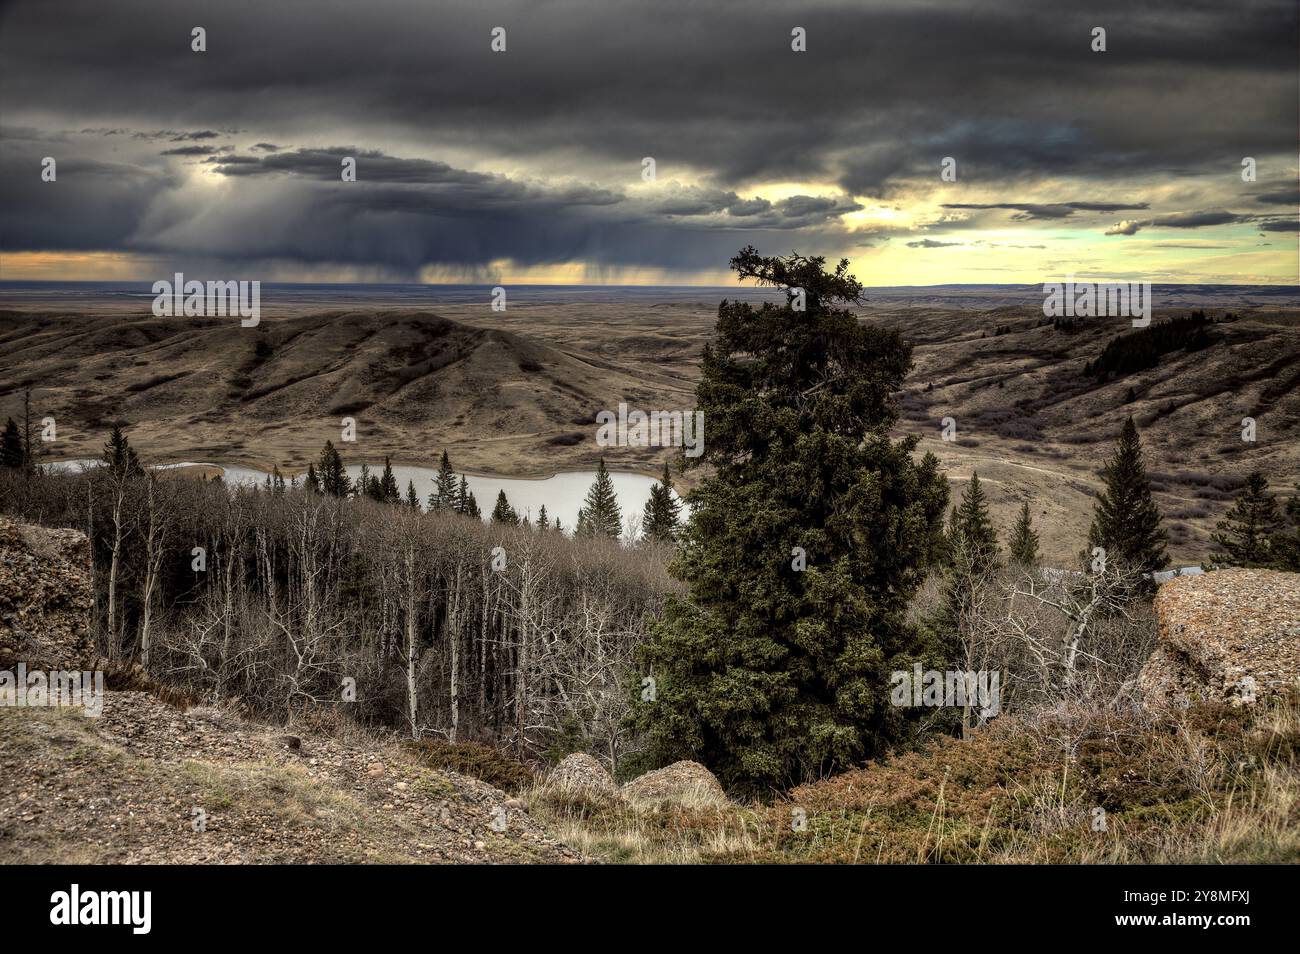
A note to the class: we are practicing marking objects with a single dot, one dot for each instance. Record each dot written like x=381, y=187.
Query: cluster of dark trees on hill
x=1142, y=348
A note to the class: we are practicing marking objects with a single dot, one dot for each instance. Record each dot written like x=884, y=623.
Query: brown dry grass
x=1207, y=785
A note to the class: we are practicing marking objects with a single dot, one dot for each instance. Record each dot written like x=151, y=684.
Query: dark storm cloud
x=189, y=151
x=1286, y=196
x=1009, y=88
x=1062, y=210
x=1190, y=220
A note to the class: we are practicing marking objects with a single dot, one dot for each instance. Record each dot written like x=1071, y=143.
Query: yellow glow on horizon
x=995, y=256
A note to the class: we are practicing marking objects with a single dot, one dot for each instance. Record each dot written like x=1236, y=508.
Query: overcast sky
x=527, y=164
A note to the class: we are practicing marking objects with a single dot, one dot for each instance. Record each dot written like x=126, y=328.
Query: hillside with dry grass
x=516, y=393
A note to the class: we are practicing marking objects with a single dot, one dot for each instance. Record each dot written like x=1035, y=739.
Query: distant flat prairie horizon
x=122, y=295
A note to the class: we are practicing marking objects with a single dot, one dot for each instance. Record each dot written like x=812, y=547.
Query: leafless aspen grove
x=393, y=617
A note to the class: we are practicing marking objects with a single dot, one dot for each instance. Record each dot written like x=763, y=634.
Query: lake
x=562, y=494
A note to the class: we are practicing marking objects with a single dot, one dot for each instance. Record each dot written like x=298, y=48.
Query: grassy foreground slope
x=1212, y=785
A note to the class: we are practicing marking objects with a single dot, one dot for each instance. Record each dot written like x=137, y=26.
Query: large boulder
x=685, y=782
x=1228, y=636
x=45, y=597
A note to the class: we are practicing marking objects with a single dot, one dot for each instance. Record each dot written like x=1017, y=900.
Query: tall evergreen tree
x=464, y=498
x=388, y=492
x=366, y=485
x=444, y=493
x=1126, y=522
x=660, y=519
x=775, y=669
x=412, y=498
x=504, y=513
x=972, y=557
x=312, y=482
x=120, y=456
x=1246, y=536
x=11, y=447
x=331, y=474
x=543, y=522
x=1023, y=545
x=972, y=527
x=600, y=514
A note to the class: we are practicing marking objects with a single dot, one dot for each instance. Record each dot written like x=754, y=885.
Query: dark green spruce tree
x=1023, y=545
x=600, y=515
x=972, y=557
x=1247, y=535
x=464, y=498
x=1125, y=521
x=444, y=495
x=970, y=526
x=412, y=498
x=504, y=513
x=120, y=456
x=331, y=474
x=661, y=518
x=388, y=492
x=803, y=546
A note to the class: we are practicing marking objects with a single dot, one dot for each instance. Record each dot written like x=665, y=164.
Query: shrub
x=475, y=760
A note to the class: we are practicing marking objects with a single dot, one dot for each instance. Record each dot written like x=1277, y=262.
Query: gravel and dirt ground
x=129, y=787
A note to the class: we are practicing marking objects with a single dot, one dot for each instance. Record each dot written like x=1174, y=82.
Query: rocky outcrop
x=682, y=782
x=1228, y=636
x=580, y=773
x=45, y=597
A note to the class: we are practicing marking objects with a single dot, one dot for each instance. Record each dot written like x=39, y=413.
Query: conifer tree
x=312, y=481
x=11, y=447
x=443, y=495
x=600, y=514
x=661, y=516
x=972, y=527
x=331, y=474
x=471, y=506
x=1246, y=536
x=412, y=498
x=366, y=485
x=543, y=522
x=463, y=498
x=1023, y=545
x=1126, y=522
x=775, y=671
x=972, y=556
x=388, y=492
x=503, y=513
x=120, y=456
